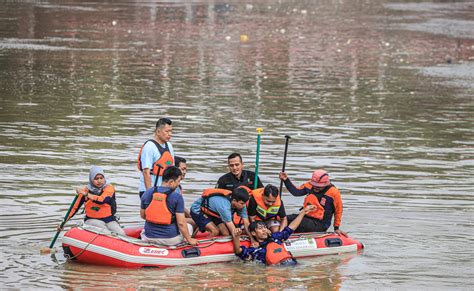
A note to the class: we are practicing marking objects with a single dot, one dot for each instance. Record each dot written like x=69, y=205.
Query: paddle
x=287, y=137
x=255, y=183
x=50, y=249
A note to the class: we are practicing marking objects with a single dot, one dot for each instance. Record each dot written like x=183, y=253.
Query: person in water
x=99, y=200
x=162, y=207
x=265, y=204
x=155, y=156
x=270, y=249
x=237, y=175
x=326, y=198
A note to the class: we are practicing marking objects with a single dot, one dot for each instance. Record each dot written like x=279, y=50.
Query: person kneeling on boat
x=163, y=209
x=266, y=204
x=99, y=200
x=270, y=249
x=324, y=196
x=213, y=211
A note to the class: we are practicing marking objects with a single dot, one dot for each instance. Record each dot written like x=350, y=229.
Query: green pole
x=64, y=222
x=259, y=132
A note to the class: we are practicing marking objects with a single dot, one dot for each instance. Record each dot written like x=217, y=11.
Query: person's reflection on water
x=320, y=273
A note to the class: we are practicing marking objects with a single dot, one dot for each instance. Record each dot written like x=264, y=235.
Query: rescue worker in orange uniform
x=99, y=200
x=270, y=249
x=324, y=196
x=162, y=207
x=265, y=204
x=155, y=156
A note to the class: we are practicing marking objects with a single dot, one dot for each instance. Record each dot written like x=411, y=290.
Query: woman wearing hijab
x=98, y=198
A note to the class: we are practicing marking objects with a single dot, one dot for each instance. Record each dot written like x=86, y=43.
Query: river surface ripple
x=378, y=93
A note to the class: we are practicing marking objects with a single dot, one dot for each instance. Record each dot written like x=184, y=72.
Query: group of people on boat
x=232, y=208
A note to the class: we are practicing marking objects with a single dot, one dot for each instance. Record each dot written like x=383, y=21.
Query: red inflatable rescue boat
x=90, y=245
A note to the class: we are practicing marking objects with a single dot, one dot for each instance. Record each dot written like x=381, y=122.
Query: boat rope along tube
x=209, y=241
x=84, y=249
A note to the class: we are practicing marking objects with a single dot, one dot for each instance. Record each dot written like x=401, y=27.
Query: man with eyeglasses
x=265, y=204
x=155, y=156
x=326, y=199
x=237, y=176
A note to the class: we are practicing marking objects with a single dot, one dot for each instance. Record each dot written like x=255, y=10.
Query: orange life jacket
x=96, y=210
x=265, y=212
x=158, y=212
x=276, y=254
x=208, y=193
x=319, y=203
x=162, y=163
x=236, y=218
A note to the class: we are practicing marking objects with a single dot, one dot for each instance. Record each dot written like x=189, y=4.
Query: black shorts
x=202, y=220
x=308, y=224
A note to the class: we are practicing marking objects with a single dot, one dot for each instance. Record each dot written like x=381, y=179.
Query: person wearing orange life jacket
x=266, y=204
x=324, y=196
x=162, y=207
x=155, y=155
x=213, y=211
x=99, y=202
x=270, y=249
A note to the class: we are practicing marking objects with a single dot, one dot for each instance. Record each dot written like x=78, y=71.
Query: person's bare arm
x=283, y=223
x=183, y=228
x=246, y=227
x=236, y=241
x=296, y=222
x=147, y=178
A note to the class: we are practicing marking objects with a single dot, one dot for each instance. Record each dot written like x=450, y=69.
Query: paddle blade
x=45, y=251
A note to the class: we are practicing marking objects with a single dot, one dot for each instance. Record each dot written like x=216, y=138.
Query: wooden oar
x=50, y=249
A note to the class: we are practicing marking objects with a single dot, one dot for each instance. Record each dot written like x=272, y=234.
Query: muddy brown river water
x=378, y=93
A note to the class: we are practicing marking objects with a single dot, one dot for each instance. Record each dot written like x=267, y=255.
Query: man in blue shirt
x=270, y=248
x=163, y=209
x=156, y=151
x=218, y=219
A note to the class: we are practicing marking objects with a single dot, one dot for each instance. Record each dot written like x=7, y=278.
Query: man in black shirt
x=237, y=175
